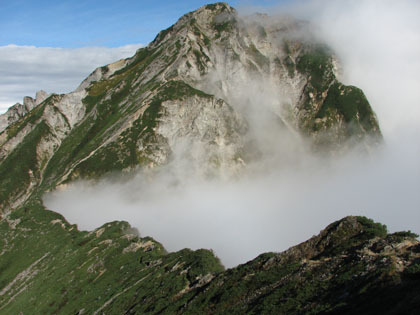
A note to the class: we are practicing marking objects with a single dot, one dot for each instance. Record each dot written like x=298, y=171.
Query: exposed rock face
x=18, y=110
x=28, y=144
x=13, y=114
x=214, y=123
x=207, y=92
x=195, y=93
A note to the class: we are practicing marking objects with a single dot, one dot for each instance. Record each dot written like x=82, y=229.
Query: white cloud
x=27, y=69
x=263, y=212
x=378, y=43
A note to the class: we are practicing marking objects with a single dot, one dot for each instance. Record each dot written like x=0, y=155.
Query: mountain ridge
x=112, y=269
x=132, y=114
x=189, y=96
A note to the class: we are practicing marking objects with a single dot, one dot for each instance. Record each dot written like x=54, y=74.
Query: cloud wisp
x=27, y=69
x=270, y=210
x=378, y=44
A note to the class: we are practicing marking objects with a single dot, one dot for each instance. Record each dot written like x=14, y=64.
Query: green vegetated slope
x=15, y=169
x=24, y=165
x=123, y=110
x=109, y=103
x=123, y=152
x=330, y=112
x=49, y=267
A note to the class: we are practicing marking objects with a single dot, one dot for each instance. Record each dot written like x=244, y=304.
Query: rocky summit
x=201, y=92
x=182, y=96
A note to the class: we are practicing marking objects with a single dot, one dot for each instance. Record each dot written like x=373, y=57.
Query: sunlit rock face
x=214, y=94
x=216, y=89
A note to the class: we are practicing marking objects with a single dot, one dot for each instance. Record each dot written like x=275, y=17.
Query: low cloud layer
x=27, y=69
x=269, y=212
x=378, y=45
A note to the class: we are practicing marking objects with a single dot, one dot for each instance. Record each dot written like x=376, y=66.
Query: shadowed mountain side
x=48, y=266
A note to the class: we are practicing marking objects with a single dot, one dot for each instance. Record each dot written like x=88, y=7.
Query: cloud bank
x=267, y=212
x=27, y=69
x=377, y=43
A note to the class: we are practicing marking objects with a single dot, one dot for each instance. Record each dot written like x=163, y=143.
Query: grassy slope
x=62, y=270
x=14, y=170
x=331, y=101
x=48, y=266
x=51, y=267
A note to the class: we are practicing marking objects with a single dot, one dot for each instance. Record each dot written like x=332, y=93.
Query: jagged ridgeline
x=49, y=267
x=181, y=91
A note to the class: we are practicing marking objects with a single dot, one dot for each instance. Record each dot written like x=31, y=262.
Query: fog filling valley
x=284, y=201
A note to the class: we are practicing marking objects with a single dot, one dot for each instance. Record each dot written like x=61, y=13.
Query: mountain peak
x=206, y=17
x=211, y=97
x=201, y=83
x=338, y=236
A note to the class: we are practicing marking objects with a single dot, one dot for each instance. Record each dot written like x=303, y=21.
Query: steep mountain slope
x=18, y=110
x=206, y=91
x=49, y=267
x=192, y=94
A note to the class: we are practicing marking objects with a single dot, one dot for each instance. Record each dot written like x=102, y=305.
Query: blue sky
x=54, y=45
x=71, y=24
x=74, y=24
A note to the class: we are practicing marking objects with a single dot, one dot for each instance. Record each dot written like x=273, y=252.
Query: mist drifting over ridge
x=277, y=206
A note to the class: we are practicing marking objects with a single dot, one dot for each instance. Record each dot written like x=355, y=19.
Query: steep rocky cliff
x=202, y=91
x=18, y=110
